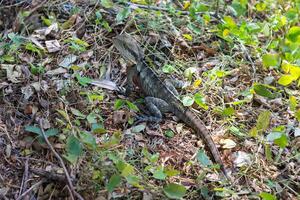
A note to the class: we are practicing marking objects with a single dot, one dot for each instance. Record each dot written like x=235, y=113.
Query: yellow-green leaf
x=188, y=37
x=271, y=60
x=286, y=79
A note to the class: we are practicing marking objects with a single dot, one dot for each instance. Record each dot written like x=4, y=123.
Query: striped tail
x=198, y=126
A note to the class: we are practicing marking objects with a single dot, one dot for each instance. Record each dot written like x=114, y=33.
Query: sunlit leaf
x=228, y=111
x=294, y=34
x=168, y=69
x=286, y=80
x=271, y=60
x=200, y=101
x=187, y=101
x=267, y=196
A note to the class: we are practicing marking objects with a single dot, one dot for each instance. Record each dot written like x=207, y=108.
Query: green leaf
x=294, y=34
x=127, y=170
x=113, y=182
x=260, y=6
x=229, y=21
x=84, y=81
x=98, y=128
x=77, y=113
x=200, y=101
x=268, y=152
x=264, y=91
x=38, y=131
x=88, y=139
x=132, y=106
x=169, y=133
x=297, y=115
x=174, y=191
x=33, y=48
x=228, y=111
x=278, y=138
x=286, y=79
x=203, y=158
x=34, y=129
x=123, y=14
x=107, y=3
x=168, y=69
x=253, y=132
x=118, y=104
x=92, y=118
x=138, y=128
x=188, y=37
x=187, y=101
x=159, y=173
x=271, y=60
x=51, y=132
x=73, y=148
x=263, y=121
x=188, y=73
x=282, y=142
x=267, y=196
x=171, y=172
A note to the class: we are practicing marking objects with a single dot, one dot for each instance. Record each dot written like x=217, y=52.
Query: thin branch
x=30, y=189
x=70, y=184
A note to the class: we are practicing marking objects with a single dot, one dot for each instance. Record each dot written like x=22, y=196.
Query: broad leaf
x=294, y=34
x=203, y=158
x=271, y=60
x=267, y=196
x=200, y=101
x=263, y=121
x=107, y=3
x=73, y=148
x=113, y=182
x=264, y=91
x=187, y=101
x=159, y=173
x=123, y=14
x=286, y=79
x=88, y=139
x=174, y=191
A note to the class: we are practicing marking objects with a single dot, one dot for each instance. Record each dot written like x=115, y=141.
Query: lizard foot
x=144, y=118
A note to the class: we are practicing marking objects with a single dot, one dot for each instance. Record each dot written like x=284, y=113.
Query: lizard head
x=129, y=48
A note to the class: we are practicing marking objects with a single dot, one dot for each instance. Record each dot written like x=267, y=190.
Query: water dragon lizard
x=161, y=97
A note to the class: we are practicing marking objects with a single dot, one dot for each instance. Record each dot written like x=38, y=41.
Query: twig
x=134, y=6
x=70, y=184
x=30, y=189
x=25, y=178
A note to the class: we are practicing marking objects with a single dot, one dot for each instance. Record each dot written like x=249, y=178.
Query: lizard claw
x=121, y=90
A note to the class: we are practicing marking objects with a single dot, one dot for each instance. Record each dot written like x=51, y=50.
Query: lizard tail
x=198, y=126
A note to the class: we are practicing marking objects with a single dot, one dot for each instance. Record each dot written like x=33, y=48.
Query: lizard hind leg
x=156, y=108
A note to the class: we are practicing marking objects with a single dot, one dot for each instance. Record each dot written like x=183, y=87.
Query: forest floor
x=66, y=133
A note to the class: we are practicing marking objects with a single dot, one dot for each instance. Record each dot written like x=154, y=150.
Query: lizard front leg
x=130, y=83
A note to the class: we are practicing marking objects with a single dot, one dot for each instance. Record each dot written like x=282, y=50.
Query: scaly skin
x=152, y=86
